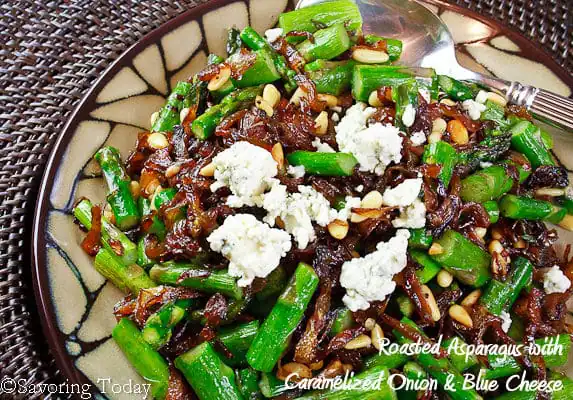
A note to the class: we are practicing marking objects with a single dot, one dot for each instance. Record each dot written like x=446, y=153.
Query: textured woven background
x=51, y=52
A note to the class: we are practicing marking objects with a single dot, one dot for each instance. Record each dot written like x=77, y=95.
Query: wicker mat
x=51, y=52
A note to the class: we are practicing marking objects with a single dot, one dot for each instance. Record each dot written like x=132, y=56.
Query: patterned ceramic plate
x=75, y=301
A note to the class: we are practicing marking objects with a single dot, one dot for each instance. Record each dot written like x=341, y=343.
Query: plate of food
x=254, y=202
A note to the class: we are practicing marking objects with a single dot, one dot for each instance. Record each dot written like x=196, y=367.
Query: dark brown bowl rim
x=55, y=338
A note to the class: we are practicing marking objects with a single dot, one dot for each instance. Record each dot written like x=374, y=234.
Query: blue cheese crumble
x=555, y=281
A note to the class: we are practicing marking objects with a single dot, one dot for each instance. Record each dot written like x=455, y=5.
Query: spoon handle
x=546, y=106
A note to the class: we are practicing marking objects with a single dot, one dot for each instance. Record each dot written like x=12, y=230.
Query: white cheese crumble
x=555, y=281
x=418, y=138
x=409, y=116
x=473, y=108
x=296, y=171
x=253, y=248
x=349, y=203
x=413, y=216
x=298, y=211
x=359, y=188
x=247, y=170
x=481, y=97
x=335, y=117
x=273, y=34
x=485, y=164
x=404, y=194
x=322, y=147
x=369, y=278
x=425, y=93
x=505, y=321
x=375, y=146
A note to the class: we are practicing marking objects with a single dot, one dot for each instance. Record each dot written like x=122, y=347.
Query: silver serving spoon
x=428, y=43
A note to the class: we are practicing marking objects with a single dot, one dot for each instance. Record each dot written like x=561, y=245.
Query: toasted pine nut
x=262, y=104
x=295, y=369
x=346, y=368
x=448, y=102
x=154, y=117
x=435, y=249
x=208, y=170
x=330, y=100
x=567, y=222
x=135, y=189
x=278, y=155
x=317, y=365
x=471, y=298
x=459, y=314
x=158, y=189
x=220, y=79
x=157, y=141
x=359, y=342
x=368, y=56
x=372, y=199
x=321, y=123
x=495, y=246
x=520, y=244
x=369, y=323
x=497, y=98
x=151, y=187
x=172, y=170
x=271, y=95
x=183, y=114
x=481, y=232
x=551, y=192
x=439, y=126
x=496, y=234
x=373, y=99
x=434, y=137
x=297, y=96
x=431, y=300
x=362, y=214
x=338, y=229
x=377, y=336
x=458, y=132
x=499, y=264
x=108, y=213
x=444, y=278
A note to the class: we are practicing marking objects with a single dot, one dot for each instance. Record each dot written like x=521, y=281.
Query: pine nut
x=448, y=102
x=496, y=234
x=297, y=96
x=151, y=187
x=154, y=117
x=459, y=314
x=481, y=232
x=321, y=123
x=158, y=189
x=520, y=244
x=278, y=155
x=172, y=170
x=359, y=342
x=372, y=199
x=431, y=300
x=220, y=79
x=439, y=126
x=434, y=137
x=300, y=370
x=444, y=278
x=157, y=141
x=271, y=95
x=108, y=213
x=567, y=223
x=377, y=336
x=262, y=104
x=317, y=365
x=362, y=214
x=495, y=246
x=330, y=100
x=435, y=249
x=373, y=99
x=369, y=56
x=497, y=98
x=551, y=192
x=208, y=170
x=338, y=229
x=135, y=189
x=369, y=323
x=472, y=298
x=458, y=132
x=183, y=114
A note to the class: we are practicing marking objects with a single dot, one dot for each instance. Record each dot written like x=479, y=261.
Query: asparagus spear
x=499, y=296
x=332, y=77
x=274, y=335
x=343, y=320
x=234, y=42
x=405, y=305
x=248, y=382
x=455, y=89
x=404, y=96
x=325, y=14
x=205, y=125
x=169, y=273
x=462, y=359
x=159, y=326
x=111, y=238
x=496, y=113
x=131, y=278
x=430, y=267
x=525, y=140
x=326, y=44
x=146, y=361
x=462, y=258
x=238, y=339
x=118, y=184
x=271, y=386
x=492, y=210
x=520, y=207
x=420, y=238
x=443, y=154
x=169, y=114
x=393, y=46
x=391, y=360
x=262, y=71
x=488, y=184
x=208, y=375
x=256, y=42
x=326, y=164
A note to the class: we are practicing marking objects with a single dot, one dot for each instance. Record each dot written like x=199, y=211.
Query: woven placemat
x=51, y=52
